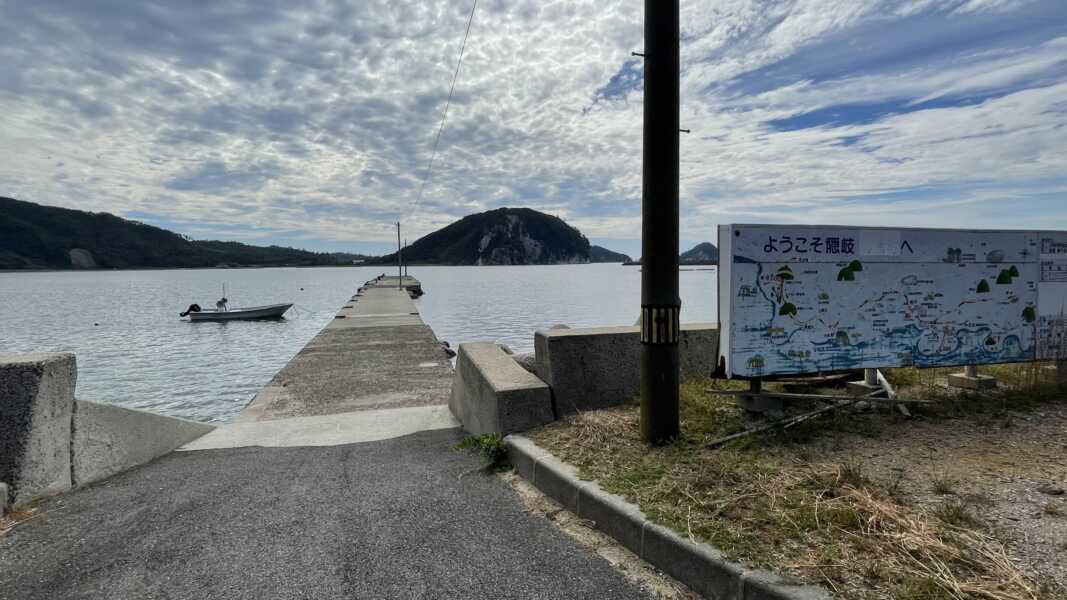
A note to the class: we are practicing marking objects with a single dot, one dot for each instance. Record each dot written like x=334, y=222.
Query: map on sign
x=811, y=299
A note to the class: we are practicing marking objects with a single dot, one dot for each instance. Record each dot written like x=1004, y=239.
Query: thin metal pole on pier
x=660, y=302
x=399, y=260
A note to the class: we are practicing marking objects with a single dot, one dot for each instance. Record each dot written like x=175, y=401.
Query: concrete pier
x=376, y=353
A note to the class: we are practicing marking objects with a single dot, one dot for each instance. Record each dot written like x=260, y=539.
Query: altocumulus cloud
x=314, y=120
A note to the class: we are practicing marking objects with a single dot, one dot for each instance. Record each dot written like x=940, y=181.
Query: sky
x=311, y=123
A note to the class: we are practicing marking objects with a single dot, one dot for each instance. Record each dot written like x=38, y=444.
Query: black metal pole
x=399, y=260
x=660, y=302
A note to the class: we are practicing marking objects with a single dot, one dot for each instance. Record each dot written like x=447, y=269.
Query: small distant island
x=704, y=253
x=34, y=236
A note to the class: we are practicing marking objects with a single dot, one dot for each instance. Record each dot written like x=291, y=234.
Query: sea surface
x=133, y=350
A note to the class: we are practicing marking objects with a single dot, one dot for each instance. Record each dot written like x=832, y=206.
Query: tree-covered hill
x=33, y=236
x=505, y=236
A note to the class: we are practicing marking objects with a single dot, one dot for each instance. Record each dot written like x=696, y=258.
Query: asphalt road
x=400, y=518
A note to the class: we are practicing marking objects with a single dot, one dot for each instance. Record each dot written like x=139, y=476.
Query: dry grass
x=772, y=501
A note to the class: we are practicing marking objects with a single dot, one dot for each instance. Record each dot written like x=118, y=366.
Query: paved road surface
x=398, y=518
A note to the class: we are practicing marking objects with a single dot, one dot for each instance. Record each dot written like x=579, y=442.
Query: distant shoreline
x=244, y=268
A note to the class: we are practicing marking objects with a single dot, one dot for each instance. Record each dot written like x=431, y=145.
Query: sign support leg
x=969, y=379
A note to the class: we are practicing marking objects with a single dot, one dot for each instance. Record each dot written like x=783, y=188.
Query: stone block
x=36, y=400
x=559, y=482
x=521, y=456
x=110, y=439
x=978, y=382
x=700, y=567
x=597, y=367
x=612, y=515
x=764, y=585
x=491, y=393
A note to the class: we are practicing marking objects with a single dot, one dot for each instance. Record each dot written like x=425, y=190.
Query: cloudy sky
x=310, y=123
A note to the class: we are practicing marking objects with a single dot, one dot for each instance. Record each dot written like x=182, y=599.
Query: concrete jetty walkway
x=339, y=481
x=375, y=371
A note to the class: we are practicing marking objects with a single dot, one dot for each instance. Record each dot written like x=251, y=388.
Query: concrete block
x=598, y=367
x=108, y=439
x=613, y=515
x=520, y=455
x=36, y=400
x=559, y=482
x=491, y=393
x=764, y=585
x=700, y=567
x=978, y=382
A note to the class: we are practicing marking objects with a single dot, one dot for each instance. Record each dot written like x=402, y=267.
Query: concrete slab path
x=328, y=430
x=377, y=353
x=401, y=518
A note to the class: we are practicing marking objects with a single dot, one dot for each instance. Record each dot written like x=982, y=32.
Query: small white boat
x=272, y=311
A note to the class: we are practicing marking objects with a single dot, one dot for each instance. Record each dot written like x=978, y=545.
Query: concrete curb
x=698, y=566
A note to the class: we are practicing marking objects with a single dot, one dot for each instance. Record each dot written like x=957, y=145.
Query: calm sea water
x=132, y=349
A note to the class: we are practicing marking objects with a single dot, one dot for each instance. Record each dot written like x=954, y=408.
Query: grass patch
x=775, y=501
x=491, y=447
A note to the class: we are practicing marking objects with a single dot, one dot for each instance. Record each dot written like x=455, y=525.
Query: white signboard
x=812, y=299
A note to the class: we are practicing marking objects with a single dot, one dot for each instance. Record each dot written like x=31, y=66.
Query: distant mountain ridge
x=505, y=236
x=704, y=253
x=33, y=236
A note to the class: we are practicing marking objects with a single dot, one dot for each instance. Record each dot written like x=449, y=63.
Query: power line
x=448, y=103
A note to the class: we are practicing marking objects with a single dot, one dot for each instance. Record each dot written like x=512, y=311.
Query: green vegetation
x=788, y=309
x=983, y=287
x=41, y=237
x=1029, y=314
x=498, y=236
x=492, y=448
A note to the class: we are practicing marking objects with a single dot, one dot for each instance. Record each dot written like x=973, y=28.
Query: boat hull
x=252, y=313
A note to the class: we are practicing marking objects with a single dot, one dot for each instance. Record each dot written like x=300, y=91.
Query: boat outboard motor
x=192, y=308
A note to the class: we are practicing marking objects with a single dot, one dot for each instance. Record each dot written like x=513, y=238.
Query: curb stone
x=699, y=566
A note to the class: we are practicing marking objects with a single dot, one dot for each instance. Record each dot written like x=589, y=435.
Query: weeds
x=943, y=486
x=491, y=447
x=770, y=501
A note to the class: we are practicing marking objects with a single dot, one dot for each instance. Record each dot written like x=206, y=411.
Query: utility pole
x=660, y=302
x=405, y=266
x=399, y=260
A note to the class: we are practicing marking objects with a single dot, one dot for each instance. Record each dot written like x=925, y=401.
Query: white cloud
x=317, y=119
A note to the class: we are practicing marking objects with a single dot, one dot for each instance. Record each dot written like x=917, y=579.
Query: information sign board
x=817, y=299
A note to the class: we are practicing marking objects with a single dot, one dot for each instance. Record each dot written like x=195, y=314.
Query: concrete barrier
x=109, y=439
x=49, y=442
x=491, y=393
x=36, y=399
x=598, y=367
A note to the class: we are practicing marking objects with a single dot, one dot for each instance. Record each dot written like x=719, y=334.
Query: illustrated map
x=808, y=299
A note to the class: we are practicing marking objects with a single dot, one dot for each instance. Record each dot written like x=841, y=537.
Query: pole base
x=981, y=382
